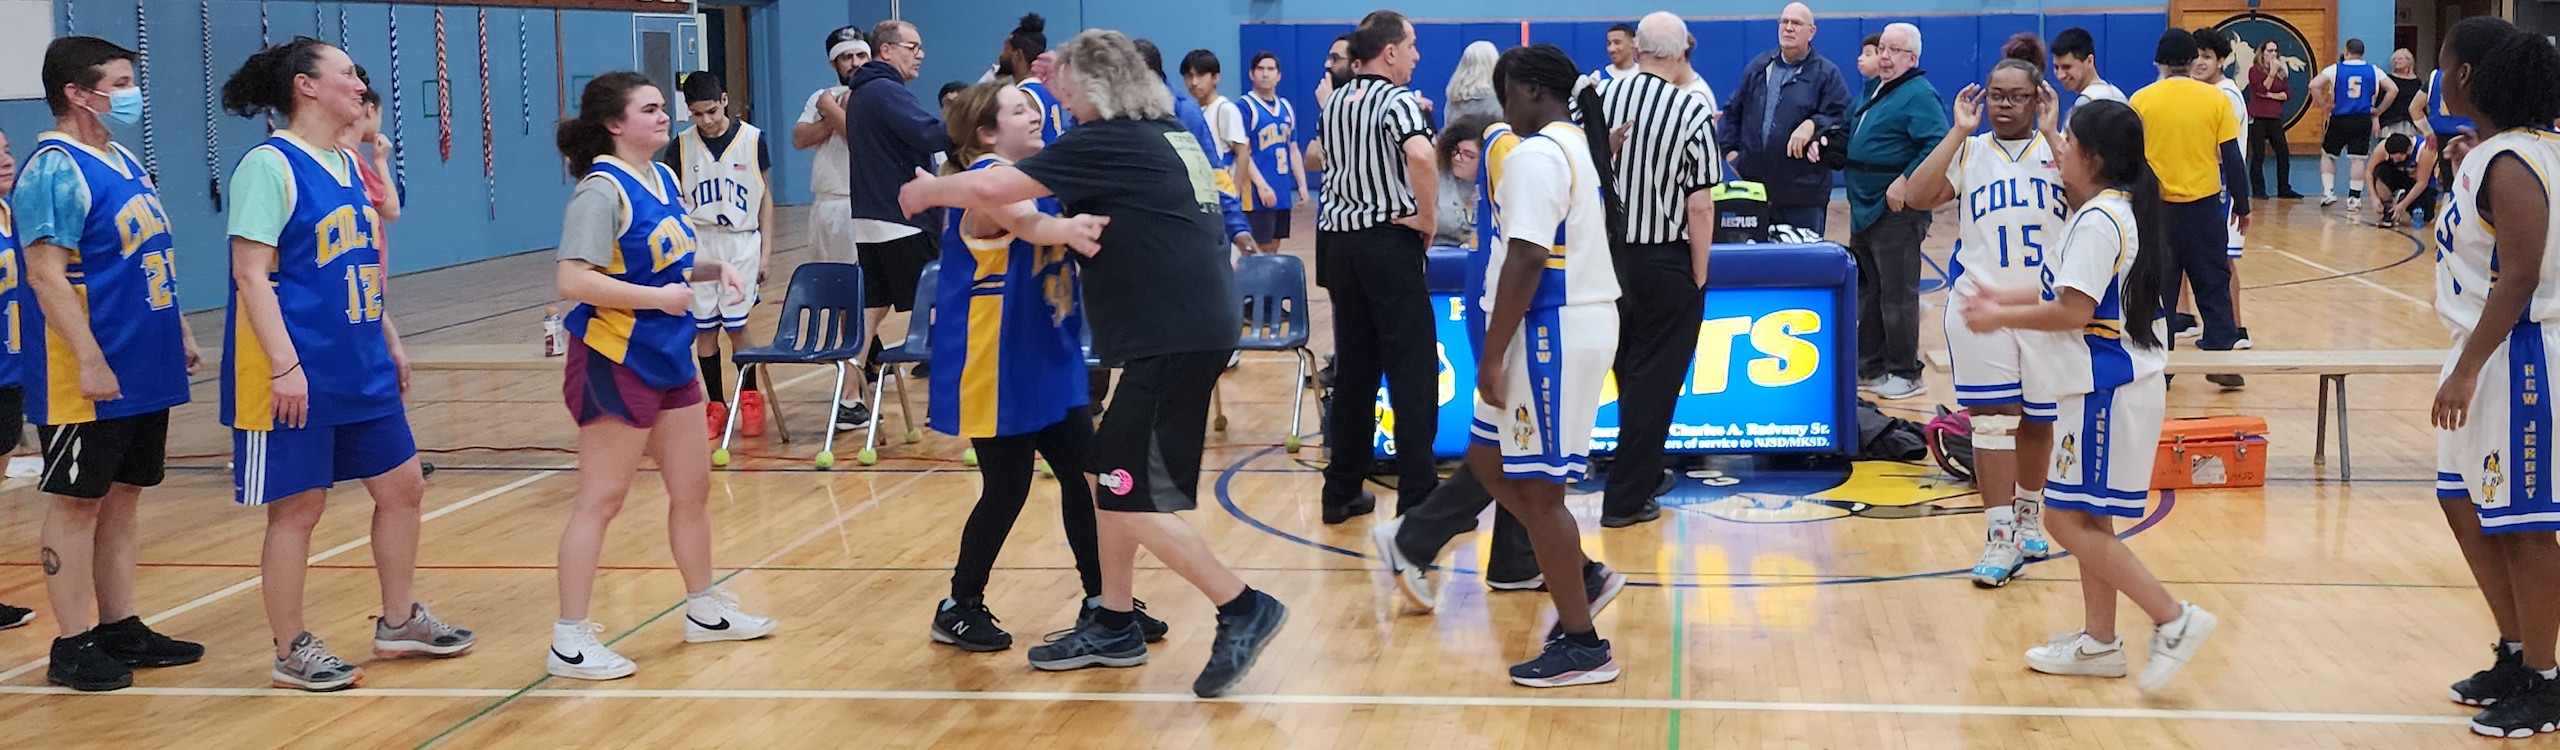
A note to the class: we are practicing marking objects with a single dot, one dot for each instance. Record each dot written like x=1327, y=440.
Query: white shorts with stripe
x=1557, y=362
x=2495, y=458
x=743, y=251
x=2103, y=446
x=1988, y=367
x=2231, y=227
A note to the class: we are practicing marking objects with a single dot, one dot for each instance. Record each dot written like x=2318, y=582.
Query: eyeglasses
x=2001, y=98
x=913, y=46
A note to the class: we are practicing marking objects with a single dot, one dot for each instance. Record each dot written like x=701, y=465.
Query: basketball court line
x=2324, y=268
x=352, y=545
x=1418, y=701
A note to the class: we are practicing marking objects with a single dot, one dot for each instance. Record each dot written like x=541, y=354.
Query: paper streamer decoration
x=70, y=17
x=399, y=124
x=142, y=80
x=212, y=129
x=318, y=25
x=524, y=74
x=488, y=130
x=264, y=36
x=444, y=95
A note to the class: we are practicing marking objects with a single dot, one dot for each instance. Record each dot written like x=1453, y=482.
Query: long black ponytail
x=2112, y=133
x=1548, y=68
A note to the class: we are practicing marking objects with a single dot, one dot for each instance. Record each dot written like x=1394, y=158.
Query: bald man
x=1789, y=95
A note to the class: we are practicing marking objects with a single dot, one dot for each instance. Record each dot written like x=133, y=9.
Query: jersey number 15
x=2032, y=252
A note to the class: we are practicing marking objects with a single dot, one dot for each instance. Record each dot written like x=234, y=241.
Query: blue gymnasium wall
x=1961, y=37
x=448, y=219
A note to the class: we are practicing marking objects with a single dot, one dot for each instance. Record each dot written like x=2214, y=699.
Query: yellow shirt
x=2184, y=123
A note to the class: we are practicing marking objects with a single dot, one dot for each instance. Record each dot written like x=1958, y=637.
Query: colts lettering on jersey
x=338, y=233
x=9, y=292
x=138, y=221
x=716, y=190
x=1058, y=288
x=668, y=243
x=2023, y=249
x=1271, y=135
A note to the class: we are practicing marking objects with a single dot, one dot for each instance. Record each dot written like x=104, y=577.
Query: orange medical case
x=2211, y=452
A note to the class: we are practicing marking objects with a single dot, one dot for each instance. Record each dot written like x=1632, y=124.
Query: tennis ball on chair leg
x=969, y=457
x=720, y=457
x=827, y=460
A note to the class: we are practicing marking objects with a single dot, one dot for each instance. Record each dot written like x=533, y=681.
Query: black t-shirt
x=1161, y=284
x=2396, y=111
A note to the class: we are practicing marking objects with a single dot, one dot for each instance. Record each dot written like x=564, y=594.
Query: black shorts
x=81, y=460
x=1147, y=451
x=890, y=269
x=2348, y=135
x=1269, y=226
x=13, y=418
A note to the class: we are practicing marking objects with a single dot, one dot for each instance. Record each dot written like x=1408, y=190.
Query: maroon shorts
x=599, y=388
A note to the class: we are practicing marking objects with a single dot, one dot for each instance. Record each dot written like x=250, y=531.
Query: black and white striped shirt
x=1364, y=128
x=1670, y=152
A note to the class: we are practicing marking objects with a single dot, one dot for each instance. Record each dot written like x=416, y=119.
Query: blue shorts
x=274, y=465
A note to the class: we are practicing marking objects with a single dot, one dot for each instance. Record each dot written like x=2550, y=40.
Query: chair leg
x=730, y=428
x=2320, y=427
x=2346, y=451
x=1218, y=405
x=773, y=402
x=829, y=446
x=1298, y=395
x=871, y=440
x=907, y=411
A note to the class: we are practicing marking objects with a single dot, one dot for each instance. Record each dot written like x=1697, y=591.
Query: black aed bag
x=1742, y=212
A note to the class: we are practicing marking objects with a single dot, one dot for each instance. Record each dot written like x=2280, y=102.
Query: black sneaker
x=1564, y=662
x=1239, y=642
x=1363, y=505
x=853, y=417
x=968, y=625
x=79, y=664
x=2503, y=678
x=1090, y=645
x=11, y=617
x=133, y=643
x=2531, y=711
x=1600, y=586
x=1650, y=510
x=1153, y=628
x=2228, y=382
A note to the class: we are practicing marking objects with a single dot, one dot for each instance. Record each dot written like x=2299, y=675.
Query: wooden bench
x=523, y=356
x=2332, y=366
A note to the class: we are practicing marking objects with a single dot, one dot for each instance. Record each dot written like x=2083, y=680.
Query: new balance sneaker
x=750, y=413
x=422, y=635
x=714, y=616
x=2077, y=654
x=1532, y=583
x=1148, y=625
x=135, y=644
x=80, y=664
x=1239, y=644
x=11, y=617
x=1563, y=663
x=716, y=416
x=2001, y=558
x=576, y=654
x=308, y=665
x=968, y=625
x=853, y=416
x=2503, y=678
x=2531, y=711
x=1090, y=644
x=1409, y=576
x=2175, y=643
x=2031, y=539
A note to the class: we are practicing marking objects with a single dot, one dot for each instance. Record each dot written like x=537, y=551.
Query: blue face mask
x=125, y=105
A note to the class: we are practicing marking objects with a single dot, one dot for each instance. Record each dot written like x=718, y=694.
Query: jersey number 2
x=160, y=273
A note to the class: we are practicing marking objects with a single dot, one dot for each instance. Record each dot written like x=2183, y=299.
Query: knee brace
x=1996, y=432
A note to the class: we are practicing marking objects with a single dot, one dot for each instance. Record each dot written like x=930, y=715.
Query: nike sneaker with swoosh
x=2075, y=653
x=714, y=616
x=576, y=654
x=2175, y=643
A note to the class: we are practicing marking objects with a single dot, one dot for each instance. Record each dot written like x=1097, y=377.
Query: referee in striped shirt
x=1666, y=161
x=1372, y=230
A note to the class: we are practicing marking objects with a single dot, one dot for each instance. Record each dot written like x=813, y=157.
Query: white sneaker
x=2075, y=653
x=2031, y=539
x=576, y=654
x=1531, y=583
x=716, y=618
x=1868, y=385
x=2328, y=200
x=2176, y=643
x=1409, y=577
x=1896, y=388
x=2001, y=559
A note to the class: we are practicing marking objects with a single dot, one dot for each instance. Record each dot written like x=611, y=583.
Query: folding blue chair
x=821, y=325
x=918, y=349
x=1274, y=288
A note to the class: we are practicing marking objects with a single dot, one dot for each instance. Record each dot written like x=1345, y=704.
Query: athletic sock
x=2548, y=674
x=2001, y=515
x=2512, y=647
x=1115, y=619
x=1584, y=638
x=711, y=377
x=747, y=380
x=2025, y=495
x=574, y=623
x=1242, y=605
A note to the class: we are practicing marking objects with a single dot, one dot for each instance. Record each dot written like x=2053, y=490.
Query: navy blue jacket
x=888, y=136
x=1816, y=93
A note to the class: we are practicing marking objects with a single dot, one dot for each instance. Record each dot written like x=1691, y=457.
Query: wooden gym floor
x=2346, y=609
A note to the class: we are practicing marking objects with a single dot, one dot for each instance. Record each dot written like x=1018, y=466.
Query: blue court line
x=1226, y=500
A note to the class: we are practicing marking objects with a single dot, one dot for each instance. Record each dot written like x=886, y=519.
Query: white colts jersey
x=723, y=192
x=1548, y=193
x=2009, y=194
x=2466, y=247
x=2096, y=252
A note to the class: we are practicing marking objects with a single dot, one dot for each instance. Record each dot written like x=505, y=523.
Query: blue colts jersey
x=2354, y=87
x=1054, y=120
x=1008, y=333
x=2438, y=119
x=126, y=272
x=328, y=284
x=12, y=271
x=654, y=249
x=1272, y=126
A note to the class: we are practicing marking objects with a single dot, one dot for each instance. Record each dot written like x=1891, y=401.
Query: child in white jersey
x=2493, y=406
x=2094, y=350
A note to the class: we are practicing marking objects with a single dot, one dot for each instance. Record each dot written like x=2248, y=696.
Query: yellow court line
x=228, y=591
x=1425, y=701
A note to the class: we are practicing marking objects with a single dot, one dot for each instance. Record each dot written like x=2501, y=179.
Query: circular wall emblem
x=2294, y=56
